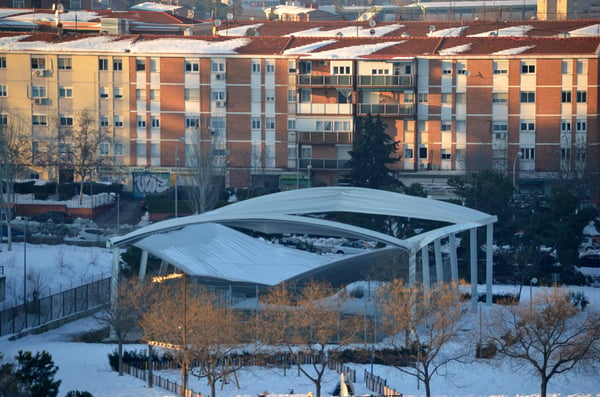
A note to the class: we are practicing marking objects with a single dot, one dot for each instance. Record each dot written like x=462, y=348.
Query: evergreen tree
x=373, y=151
x=35, y=374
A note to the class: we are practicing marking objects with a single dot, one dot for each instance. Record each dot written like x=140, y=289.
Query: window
x=446, y=155
x=291, y=96
x=500, y=97
x=341, y=126
x=500, y=67
x=270, y=67
x=270, y=95
x=66, y=121
x=255, y=123
x=192, y=94
x=154, y=65
x=39, y=119
x=447, y=70
x=291, y=124
x=38, y=91
x=461, y=98
x=341, y=70
x=103, y=148
x=565, y=154
x=154, y=121
x=104, y=92
x=118, y=121
x=270, y=123
x=154, y=95
x=305, y=67
x=64, y=148
x=499, y=126
x=140, y=65
x=527, y=126
x=192, y=66
x=527, y=153
x=408, y=153
x=217, y=95
x=464, y=72
x=291, y=66
x=18, y=3
x=3, y=119
x=581, y=67
x=103, y=64
x=306, y=152
x=527, y=67
x=581, y=96
x=140, y=95
x=565, y=126
x=3, y=91
x=255, y=67
x=75, y=4
x=117, y=64
x=581, y=126
x=324, y=125
x=103, y=121
x=446, y=98
x=305, y=95
x=446, y=126
x=409, y=97
x=118, y=93
x=65, y=92
x=118, y=149
x=527, y=97
x=217, y=66
x=566, y=67
x=38, y=63
x=217, y=124
x=423, y=152
x=192, y=122
x=423, y=98
x=141, y=121
x=64, y=63
x=565, y=97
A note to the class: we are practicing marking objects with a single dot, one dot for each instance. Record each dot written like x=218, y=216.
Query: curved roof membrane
x=206, y=245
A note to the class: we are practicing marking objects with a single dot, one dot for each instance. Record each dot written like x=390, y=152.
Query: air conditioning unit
x=39, y=73
x=220, y=104
x=220, y=76
x=39, y=101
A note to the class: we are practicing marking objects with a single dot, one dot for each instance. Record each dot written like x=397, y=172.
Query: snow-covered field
x=84, y=366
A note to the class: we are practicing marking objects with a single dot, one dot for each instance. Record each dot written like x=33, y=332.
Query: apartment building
x=268, y=110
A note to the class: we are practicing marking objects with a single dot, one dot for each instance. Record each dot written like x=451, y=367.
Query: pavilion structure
x=209, y=245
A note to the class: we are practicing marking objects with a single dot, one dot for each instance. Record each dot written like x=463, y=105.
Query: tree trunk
x=120, y=357
x=544, y=387
x=213, y=389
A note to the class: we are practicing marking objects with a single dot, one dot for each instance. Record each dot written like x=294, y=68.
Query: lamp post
x=25, y=270
x=517, y=156
x=531, y=283
x=309, y=169
x=118, y=213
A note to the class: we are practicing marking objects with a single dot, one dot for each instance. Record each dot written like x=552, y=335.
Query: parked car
x=92, y=234
x=588, y=244
x=57, y=217
x=352, y=247
x=14, y=231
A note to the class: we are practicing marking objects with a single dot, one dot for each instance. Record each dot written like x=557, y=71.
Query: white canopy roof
x=206, y=245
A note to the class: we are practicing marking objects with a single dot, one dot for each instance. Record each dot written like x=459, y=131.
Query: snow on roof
x=351, y=52
x=150, y=6
x=186, y=46
x=347, y=31
x=287, y=9
x=216, y=251
x=95, y=43
x=592, y=30
x=455, y=50
x=240, y=30
x=80, y=16
x=308, y=48
x=512, y=31
x=449, y=32
x=590, y=229
x=471, y=4
x=514, y=51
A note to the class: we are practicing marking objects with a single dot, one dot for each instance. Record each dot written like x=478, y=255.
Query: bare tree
x=193, y=323
x=124, y=317
x=80, y=148
x=421, y=323
x=310, y=320
x=205, y=163
x=551, y=336
x=15, y=157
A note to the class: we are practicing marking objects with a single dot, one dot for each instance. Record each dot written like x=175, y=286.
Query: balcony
x=324, y=108
x=385, y=109
x=385, y=81
x=325, y=137
x=325, y=80
x=323, y=164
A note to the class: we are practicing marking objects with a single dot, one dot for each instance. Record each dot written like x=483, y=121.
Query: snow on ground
x=84, y=366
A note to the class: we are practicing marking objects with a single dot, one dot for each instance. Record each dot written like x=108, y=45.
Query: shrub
x=579, y=300
x=488, y=350
x=77, y=393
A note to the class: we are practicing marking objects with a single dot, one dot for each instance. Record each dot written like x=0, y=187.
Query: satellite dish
x=229, y=16
x=372, y=23
x=339, y=35
x=432, y=28
x=217, y=22
x=372, y=32
x=467, y=73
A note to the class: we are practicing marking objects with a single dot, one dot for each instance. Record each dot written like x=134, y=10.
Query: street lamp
x=25, y=270
x=176, y=176
x=531, y=283
x=309, y=169
x=517, y=156
x=118, y=213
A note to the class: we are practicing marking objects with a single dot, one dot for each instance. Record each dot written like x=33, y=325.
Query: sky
x=84, y=366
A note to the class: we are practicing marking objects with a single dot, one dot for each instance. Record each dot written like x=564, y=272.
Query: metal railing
x=385, y=108
x=384, y=81
x=325, y=80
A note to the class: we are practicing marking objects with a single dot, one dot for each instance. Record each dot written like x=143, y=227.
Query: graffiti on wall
x=150, y=182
